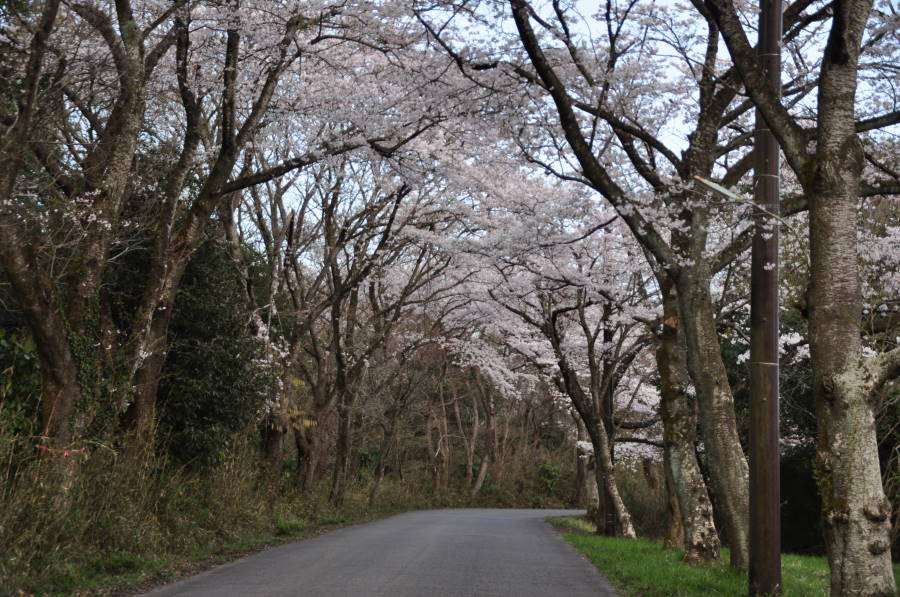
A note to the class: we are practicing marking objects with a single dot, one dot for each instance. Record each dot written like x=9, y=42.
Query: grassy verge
x=126, y=525
x=118, y=572
x=644, y=568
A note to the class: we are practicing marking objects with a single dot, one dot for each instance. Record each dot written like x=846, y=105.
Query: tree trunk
x=486, y=461
x=469, y=442
x=273, y=439
x=675, y=534
x=384, y=452
x=141, y=414
x=356, y=444
x=584, y=454
x=339, y=478
x=482, y=474
x=379, y=476
x=307, y=442
x=856, y=511
x=607, y=486
x=729, y=472
x=140, y=417
x=581, y=491
x=463, y=436
x=444, y=481
x=490, y=439
x=679, y=417
x=60, y=393
x=605, y=407
x=587, y=408
x=846, y=388
x=431, y=453
x=60, y=388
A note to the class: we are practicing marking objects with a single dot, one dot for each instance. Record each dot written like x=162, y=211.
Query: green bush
x=550, y=474
x=20, y=382
x=214, y=382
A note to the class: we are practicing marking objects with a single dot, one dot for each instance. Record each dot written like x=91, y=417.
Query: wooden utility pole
x=765, y=478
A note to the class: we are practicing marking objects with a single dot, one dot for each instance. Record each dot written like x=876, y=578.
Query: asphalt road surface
x=434, y=553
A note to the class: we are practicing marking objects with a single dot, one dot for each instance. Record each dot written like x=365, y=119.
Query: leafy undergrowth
x=644, y=568
x=91, y=568
x=108, y=573
x=94, y=570
x=126, y=524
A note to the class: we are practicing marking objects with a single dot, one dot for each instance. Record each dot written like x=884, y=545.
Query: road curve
x=432, y=553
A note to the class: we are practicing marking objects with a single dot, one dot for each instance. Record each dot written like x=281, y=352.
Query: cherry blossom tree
x=828, y=161
x=611, y=111
x=217, y=87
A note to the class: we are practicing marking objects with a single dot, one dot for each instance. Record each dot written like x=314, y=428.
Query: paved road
x=434, y=553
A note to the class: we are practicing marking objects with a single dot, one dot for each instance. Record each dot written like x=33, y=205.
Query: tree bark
x=674, y=524
x=141, y=414
x=307, y=442
x=490, y=438
x=856, y=511
x=581, y=490
x=387, y=442
x=482, y=475
x=845, y=386
x=444, y=479
x=339, y=477
x=728, y=468
x=678, y=410
x=60, y=388
x=607, y=486
x=468, y=442
x=433, y=448
x=584, y=454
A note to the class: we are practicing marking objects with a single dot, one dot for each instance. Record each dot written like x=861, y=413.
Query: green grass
x=644, y=568
x=288, y=527
x=334, y=519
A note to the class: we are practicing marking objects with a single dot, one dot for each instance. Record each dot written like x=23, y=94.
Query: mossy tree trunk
x=846, y=386
x=728, y=470
x=692, y=506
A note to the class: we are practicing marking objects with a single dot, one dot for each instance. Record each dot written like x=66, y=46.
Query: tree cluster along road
x=436, y=553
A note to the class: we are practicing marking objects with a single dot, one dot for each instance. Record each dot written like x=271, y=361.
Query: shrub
x=550, y=473
x=213, y=382
x=118, y=513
